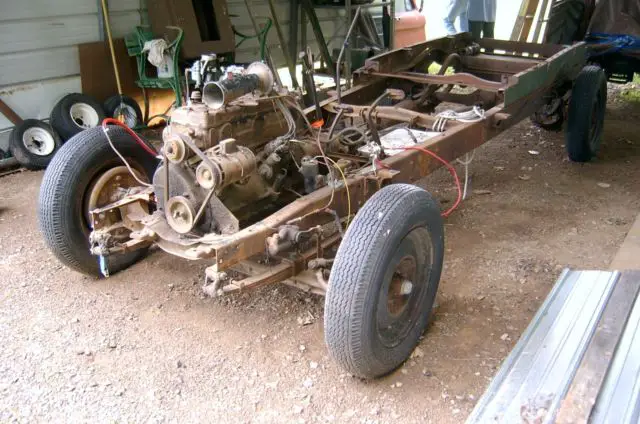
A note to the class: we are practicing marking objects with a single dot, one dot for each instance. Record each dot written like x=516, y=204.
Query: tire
x=125, y=105
x=67, y=115
x=62, y=205
x=586, y=114
x=33, y=143
x=399, y=225
x=565, y=22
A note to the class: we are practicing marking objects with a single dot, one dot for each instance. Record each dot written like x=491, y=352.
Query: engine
x=227, y=154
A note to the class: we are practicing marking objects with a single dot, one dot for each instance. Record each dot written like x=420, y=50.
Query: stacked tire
x=34, y=143
x=125, y=109
x=75, y=113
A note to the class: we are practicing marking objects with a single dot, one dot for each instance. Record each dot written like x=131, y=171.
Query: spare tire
x=565, y=22
x=68, y=191
x=125, y=109
x=33, y=143
x=74, y=113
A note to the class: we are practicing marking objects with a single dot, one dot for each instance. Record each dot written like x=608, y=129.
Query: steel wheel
x=107, y=188
x=404, y=289
x=38, y=141
x=84, y=115
x=34, y=143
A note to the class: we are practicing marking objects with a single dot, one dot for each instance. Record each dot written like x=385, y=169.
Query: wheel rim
x=109, y=187
x=38, y=141
x=550, y=114
x=126, y=114
x=401, y=286
x=84, y=116
x=405, y=287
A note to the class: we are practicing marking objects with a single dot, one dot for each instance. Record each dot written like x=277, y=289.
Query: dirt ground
x=147, y=345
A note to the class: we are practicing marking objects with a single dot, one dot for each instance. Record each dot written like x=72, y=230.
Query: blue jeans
x=456, y=9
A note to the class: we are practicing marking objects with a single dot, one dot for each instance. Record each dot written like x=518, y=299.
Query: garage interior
x=537, y=227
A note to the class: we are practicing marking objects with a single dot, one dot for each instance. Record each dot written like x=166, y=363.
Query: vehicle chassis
x=512, y=80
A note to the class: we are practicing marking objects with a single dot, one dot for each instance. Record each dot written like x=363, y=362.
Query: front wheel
x=384, y=280
x=84, y=175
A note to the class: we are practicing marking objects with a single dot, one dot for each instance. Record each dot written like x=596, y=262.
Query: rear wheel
x=86, y=174
x=586, y=114
x=384, y=281
x=565, y=22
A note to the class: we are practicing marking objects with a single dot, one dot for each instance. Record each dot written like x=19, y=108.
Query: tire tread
x=589, y=82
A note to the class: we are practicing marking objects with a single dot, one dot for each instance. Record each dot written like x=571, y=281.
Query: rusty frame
x=379, y=73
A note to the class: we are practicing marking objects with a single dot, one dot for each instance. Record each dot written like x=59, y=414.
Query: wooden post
x=9, y=113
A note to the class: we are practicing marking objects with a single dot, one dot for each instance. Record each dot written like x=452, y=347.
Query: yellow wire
x=344, y=179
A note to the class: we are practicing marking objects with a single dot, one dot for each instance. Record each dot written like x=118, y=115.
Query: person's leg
x=475, y=27
x=488, y=29
x=464, y=17
x=450, y=15
x=453, y=10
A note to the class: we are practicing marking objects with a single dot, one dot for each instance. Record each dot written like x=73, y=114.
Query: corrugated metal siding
x=577, y=361
x=38, y=54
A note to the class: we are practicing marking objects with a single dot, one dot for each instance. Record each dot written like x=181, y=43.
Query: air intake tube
x=258, y=77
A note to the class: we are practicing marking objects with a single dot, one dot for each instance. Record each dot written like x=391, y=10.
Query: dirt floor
x=147, y=345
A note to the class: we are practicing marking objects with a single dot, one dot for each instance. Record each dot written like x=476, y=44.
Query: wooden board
x=96, y=69
x=163, y=13
x=98, y=80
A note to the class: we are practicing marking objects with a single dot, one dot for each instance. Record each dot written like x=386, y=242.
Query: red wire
x=451, y=169
x=381, y=164
x=135, y=136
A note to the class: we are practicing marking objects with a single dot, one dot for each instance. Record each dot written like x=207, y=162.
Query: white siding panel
x=123, y=23
x=20, y=36
x=47, y=33
x=36, y=100
x=38, y=65
x=32, y=9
